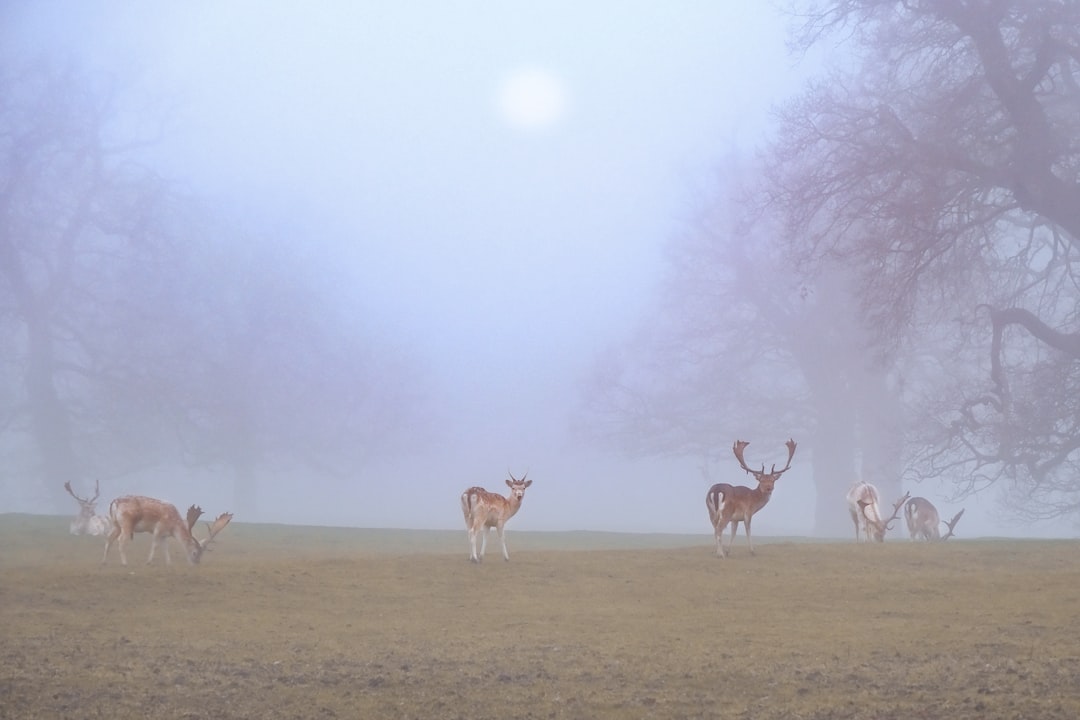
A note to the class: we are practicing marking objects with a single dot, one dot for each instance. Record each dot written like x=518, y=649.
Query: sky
x=500, y=177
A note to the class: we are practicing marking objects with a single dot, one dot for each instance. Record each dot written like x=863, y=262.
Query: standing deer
x=924, y=522
x=134, y=513
x=862, y=501
x=87, y=522
x=484, y=510
x=737, y=503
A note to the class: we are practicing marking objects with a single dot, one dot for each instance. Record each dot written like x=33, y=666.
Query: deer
x=924, y=522
x=87, y=522
x=732, y=504
x=484, y=510
x=922, y=519
x=863, y=505
x=135, y=513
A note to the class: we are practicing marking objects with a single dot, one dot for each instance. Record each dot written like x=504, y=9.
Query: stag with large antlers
x=87, y=522
x=135, y=513
x=922, y=519
x=924, y=522
x=863, y=505
x=484, y=510
x=732, y=504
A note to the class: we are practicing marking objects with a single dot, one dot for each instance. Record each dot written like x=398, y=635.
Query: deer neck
x=513, y=504
x=761, y=497
x=184, y=535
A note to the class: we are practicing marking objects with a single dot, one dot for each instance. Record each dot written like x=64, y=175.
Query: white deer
x=484, y=510
x=87, y=522
x=134, y=513
x=865, y=512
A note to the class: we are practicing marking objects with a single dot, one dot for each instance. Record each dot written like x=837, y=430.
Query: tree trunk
x=49, y=420
x=834, y=470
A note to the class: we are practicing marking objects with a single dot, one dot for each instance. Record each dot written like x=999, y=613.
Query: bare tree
x=944, y=167
x=740, y=343
x=149, y=329
x=71, y=202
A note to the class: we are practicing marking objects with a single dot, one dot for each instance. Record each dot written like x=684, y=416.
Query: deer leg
x=109, y=540
x=749, y=540
x=121, y=543
x=720, y=525
x=485, y=531
x=165, y=547
x=472, y=545
x=153, y=548
x=501, y=529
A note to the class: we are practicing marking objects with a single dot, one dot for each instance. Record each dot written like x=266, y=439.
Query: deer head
x=87, y=522
x=517, y=487
x=765, y=480
x=880, y=527
x=198, y=547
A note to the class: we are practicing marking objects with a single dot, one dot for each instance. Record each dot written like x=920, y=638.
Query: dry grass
x=290, y=622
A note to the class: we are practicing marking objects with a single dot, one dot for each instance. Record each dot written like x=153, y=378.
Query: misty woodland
x=748, y=337
x=889, y=276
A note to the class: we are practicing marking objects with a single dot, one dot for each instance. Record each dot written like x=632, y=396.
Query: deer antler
x=193, y=514
x=738, y=448
x=952, y=525
x=791, y=445
x=896, y=510
x=83, y=501
x=219, y=524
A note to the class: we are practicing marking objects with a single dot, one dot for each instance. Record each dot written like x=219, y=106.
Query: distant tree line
x=143, y=326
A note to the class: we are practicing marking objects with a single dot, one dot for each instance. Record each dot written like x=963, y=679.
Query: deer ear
x=528, y=483
x=509, y=484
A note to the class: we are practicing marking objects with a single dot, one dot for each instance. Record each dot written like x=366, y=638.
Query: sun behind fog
x=532, y=99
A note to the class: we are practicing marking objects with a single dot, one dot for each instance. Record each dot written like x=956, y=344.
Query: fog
x=498, y=181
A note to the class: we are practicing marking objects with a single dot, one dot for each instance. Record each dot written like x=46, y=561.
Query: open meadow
x=302, y=622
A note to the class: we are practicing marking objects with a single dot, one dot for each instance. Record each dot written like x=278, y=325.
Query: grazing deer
x=135, y=513
x=737, y=503
x=863, y=504
x=923, y=520
x=87, y=522
x=485, y=510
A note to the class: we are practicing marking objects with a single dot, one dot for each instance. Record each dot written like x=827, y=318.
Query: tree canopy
x=143, y=327
x=942, y=168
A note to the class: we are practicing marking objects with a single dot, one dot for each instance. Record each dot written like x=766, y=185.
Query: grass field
x=301, y=622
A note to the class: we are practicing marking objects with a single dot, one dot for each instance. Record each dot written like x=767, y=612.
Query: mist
x=491, y=191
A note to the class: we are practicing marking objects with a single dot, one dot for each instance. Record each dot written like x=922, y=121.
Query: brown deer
x=924, y=522
x=922, y=519
x=863, y=505
x=134, y=513
x=732, y=504
x=484, y=510
x=87, y=522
